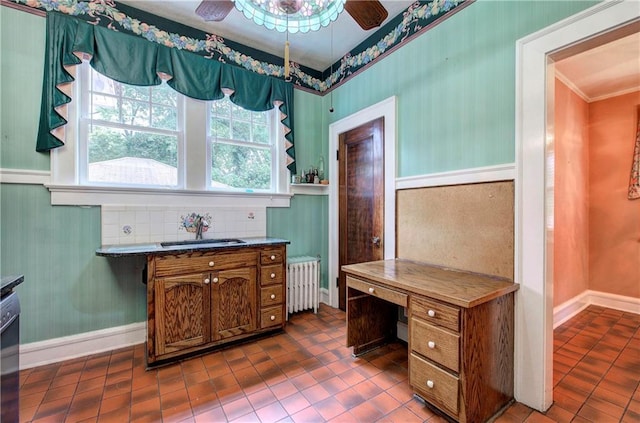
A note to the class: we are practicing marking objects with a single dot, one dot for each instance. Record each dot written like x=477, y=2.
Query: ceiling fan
x=368, y=14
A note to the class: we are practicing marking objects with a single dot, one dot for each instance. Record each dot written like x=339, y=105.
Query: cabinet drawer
x=271, y=316
x=270, y=275
x=435, y=343
x=271, y=295
x=436, y=313
x=434, y=384
x=377, y=291
x=190, y=263
x=272, y=255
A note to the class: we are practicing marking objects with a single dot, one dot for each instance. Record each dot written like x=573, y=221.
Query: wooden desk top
x=464, y=289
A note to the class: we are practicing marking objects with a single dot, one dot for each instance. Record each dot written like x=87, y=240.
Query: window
x=123, y=141
x=241, y=146
x=129, y=135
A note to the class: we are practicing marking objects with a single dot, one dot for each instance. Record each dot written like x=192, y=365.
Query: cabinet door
x=233, y=303
x=181, y=306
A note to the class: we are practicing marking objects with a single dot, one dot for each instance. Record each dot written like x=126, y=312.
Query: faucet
x=199, y=225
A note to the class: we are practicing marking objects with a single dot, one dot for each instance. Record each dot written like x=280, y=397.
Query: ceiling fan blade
x=368, y=14
x=214, y=10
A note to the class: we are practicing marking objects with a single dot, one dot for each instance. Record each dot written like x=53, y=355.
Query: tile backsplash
x=136, y=224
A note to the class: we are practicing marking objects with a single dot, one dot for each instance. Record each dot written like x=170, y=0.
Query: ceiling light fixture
x=291, y=15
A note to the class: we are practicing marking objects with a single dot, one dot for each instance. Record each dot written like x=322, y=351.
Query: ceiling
x=604, y=71
x=313, y=49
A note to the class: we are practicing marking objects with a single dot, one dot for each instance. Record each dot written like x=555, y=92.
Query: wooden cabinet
x=461, y=331
x=199, y=300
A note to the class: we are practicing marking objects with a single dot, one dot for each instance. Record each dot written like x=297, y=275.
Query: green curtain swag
x=136, y=61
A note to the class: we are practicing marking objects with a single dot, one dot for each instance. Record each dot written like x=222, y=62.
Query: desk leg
x=371, y=322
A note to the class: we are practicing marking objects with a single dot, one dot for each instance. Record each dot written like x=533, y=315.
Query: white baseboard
x=568, y=309
x=68, y=347
x=324, y=296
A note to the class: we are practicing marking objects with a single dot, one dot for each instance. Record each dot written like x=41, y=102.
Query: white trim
x=24, y=176
x=388, y=109
x=570, y=308
x=80, y=345
x=324, y=296
x=503, y=172
x=533, y=355
x=97, y=196
x=573, y=87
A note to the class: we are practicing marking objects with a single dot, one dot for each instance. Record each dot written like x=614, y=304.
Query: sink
x=219, y=241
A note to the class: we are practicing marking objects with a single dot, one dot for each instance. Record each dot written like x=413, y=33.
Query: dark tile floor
x=307, y=375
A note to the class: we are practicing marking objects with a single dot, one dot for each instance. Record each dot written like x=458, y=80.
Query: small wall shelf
x=309, y=189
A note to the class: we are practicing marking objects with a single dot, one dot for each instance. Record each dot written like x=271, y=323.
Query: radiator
x=303, y=280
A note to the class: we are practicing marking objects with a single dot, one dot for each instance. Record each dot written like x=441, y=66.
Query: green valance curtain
x=136, y=61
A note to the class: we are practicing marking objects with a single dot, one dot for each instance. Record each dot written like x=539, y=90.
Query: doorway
x=534, y=255
x=387, y=110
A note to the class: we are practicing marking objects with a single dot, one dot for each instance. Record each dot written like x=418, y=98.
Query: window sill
x=98, y=196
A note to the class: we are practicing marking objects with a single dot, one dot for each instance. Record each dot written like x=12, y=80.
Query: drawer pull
x=273, y=275
x=273, y=257
x=430, y=383
x=215, y=280
x=211, y=264
x=273, y=296
x=431, y=313
x=431, y=344
x=273, y=317
x=206, y=281
x=371, y=290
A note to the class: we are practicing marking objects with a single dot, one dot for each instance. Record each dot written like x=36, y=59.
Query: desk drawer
x=435, y=343
x=434, y=384
x=436, y=313
x=272, y=255
x=271, y=316
x=271, y=295
x=377, y=291
x=197, y=262
x=270, y=275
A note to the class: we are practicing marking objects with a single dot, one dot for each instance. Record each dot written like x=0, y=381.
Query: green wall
x=455, y=86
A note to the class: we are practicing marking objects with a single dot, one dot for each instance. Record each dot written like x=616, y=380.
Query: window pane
x=105, y=107
x=163, y=94
x=102, y=84
x=135, y=113
x=259, y=118
x=137, y=93
x=240, y=114
x=261, y=134
x=241, y=131
x=240, y=167
x=221, y=128
x=132, y=157
x=221, y=108
x=164, y=117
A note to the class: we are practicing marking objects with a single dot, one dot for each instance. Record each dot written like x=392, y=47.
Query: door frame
x=387, y=109
x=533, y=358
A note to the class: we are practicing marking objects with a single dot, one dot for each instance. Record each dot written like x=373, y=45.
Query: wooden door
x=181, y=306
x=233, y=302
x=361, y=193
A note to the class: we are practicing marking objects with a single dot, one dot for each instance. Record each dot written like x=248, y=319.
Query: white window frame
x=66, y=189
x=275, y=148
x=84, y=127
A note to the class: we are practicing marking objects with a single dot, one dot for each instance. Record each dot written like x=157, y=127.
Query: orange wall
x=571, y=195
x=614, y=221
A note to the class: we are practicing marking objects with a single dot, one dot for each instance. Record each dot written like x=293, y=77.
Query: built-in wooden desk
x=460, y=331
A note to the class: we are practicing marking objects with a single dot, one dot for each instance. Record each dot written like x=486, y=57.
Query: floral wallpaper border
x=418, y=17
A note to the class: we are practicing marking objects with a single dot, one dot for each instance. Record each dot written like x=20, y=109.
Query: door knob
x=375, y=241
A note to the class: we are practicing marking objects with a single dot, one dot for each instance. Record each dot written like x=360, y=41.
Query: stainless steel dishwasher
x=10, y=350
